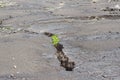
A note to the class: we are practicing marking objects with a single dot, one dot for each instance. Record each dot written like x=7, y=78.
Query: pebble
x=13, y=58
x=94, y=1
x=0, y=22
x=17, y=72
x=23, y=78
x=14, y=66
x=61, y=3
x=104, y=76
x=109, y=32
x=117, y=6
x=12, y=76
x=117, y=33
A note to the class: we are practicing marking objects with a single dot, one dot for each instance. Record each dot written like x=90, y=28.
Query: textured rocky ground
x=91, y=38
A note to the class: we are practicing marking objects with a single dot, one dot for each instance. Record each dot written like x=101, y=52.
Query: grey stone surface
x=90, y=36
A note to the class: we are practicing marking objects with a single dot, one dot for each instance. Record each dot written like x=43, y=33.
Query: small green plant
x=55, y=40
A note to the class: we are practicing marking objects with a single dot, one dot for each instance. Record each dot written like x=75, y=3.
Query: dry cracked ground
x=90, y=36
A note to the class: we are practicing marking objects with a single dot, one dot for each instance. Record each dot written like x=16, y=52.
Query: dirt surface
x=89, y=34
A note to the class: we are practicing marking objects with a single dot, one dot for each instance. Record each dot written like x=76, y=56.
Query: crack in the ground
x=68, y=19
x=61, y=56
x=101, y=36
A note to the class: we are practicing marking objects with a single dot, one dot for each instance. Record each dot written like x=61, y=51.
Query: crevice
x=61, y=56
